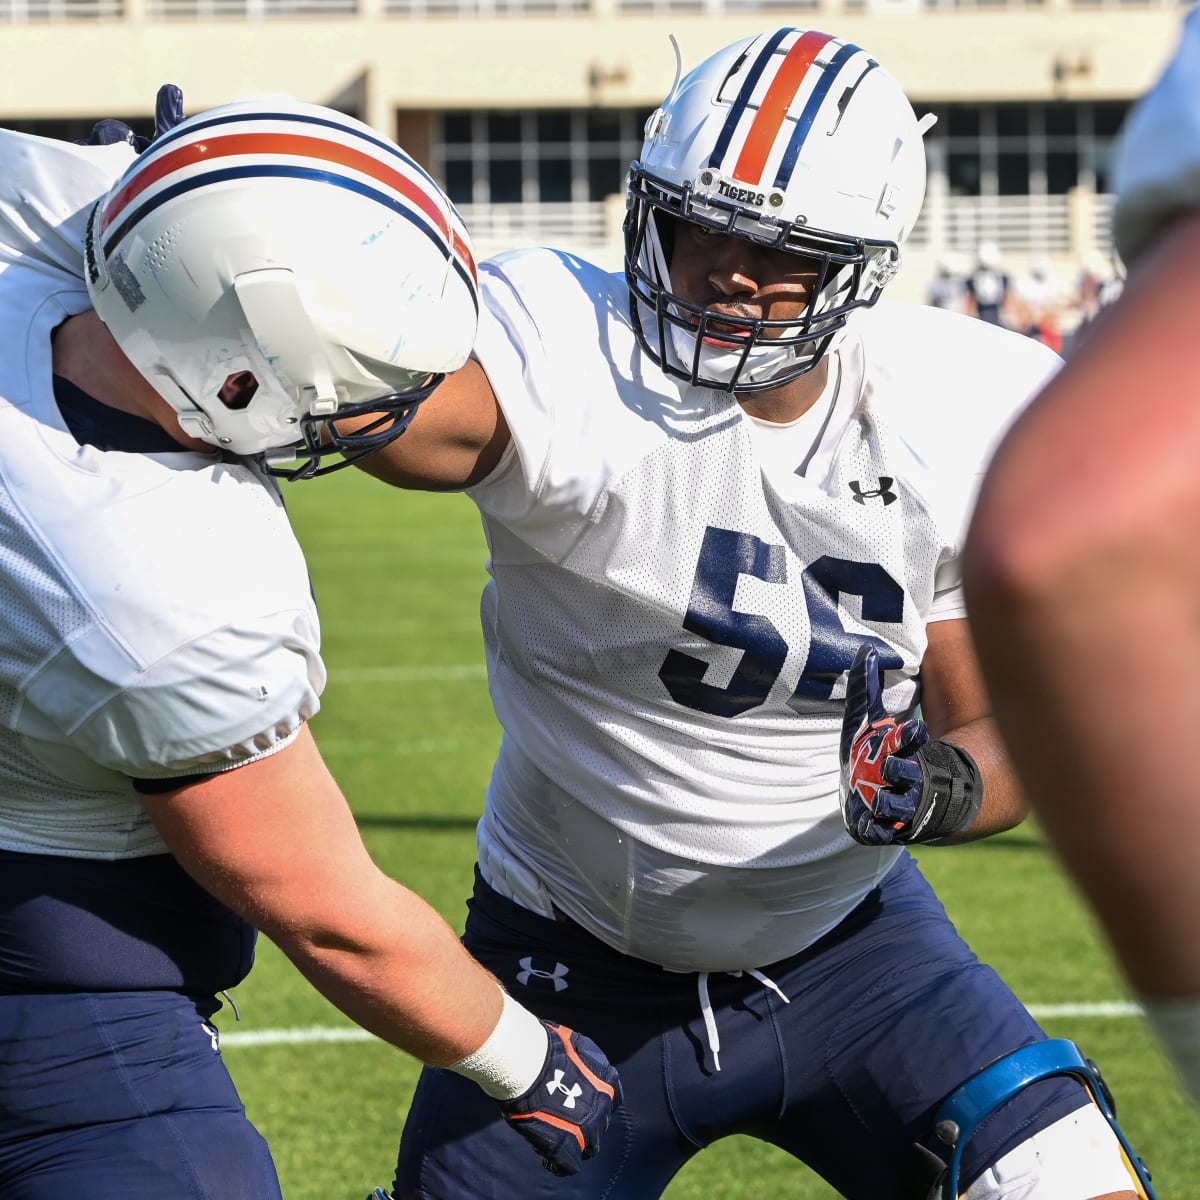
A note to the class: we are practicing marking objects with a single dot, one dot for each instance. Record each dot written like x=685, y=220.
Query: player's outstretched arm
x=456, y=439
x=276, y=842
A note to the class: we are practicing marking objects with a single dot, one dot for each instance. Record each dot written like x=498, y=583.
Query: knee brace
x=962, y=1112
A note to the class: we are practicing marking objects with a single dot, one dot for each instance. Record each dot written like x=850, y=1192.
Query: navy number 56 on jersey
x=725, y=555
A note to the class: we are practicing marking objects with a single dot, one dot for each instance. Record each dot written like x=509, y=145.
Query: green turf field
x=407, y=728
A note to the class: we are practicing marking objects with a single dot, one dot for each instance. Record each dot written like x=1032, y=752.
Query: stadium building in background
x=529, y=111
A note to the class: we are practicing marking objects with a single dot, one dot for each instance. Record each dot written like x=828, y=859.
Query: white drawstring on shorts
x=710, y=1022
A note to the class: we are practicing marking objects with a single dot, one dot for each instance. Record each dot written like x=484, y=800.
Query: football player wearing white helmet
x=731, y=152
x=284, y=331
x=708, y=482
x=173, y=322
x=1085, y=575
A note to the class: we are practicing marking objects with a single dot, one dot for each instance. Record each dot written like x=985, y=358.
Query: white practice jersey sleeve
x=1157, y=158
x=677, y=593
x=156, y=617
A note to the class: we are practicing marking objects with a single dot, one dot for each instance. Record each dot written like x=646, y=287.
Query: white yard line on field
x=1109, y=1008
x=278, y=1037
x=332, y=1033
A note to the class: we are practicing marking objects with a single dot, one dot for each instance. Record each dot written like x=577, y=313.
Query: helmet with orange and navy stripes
x=273, y=267
x=795, y=140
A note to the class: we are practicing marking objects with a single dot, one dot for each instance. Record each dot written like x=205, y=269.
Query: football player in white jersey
x=1085, y=574
x=719, y=490
x=177, y=326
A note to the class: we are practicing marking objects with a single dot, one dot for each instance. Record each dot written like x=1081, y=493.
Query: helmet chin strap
x=763, y=361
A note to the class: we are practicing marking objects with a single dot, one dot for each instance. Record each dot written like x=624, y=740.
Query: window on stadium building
x=566, y=155
x=543, y=156
x=1008, y=170
x=1024, y=149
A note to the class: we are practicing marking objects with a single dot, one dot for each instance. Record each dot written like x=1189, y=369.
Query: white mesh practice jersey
x=156, y=618
x=677, y=592
x=1157, y=158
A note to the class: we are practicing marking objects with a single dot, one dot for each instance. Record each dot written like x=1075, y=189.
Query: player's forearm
x=1085, y=603
x=1003, y=804
x=1104, y=740
x=1086, y=622
x=394, y=966
x=275, y=841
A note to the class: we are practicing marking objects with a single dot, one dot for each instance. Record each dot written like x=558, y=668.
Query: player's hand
x=570, y=1103
x=883, y=781
x=168, y=112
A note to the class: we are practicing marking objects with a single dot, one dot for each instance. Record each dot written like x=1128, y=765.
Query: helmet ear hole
x=238, y=390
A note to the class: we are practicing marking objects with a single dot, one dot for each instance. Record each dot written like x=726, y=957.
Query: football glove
x=168, y=112
x=570, y=1103
x=897, y=785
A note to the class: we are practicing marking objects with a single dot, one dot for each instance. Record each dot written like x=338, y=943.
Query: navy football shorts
x=884, y=1016
x=122, y=1096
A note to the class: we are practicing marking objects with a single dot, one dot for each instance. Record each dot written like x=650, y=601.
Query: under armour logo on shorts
x=558, y=977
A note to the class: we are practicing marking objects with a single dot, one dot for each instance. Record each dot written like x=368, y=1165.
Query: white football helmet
x=271, y=267
x=795, y=140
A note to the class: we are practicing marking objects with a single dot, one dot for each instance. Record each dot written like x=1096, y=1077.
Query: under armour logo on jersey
x=570, y=1094
x=558, y=977
x=883, y=491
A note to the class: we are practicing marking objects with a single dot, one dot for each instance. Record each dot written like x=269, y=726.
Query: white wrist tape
x=509, y=1062
x=1176, y=1024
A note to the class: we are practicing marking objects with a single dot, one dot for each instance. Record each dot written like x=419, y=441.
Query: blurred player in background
x=724, y=496
x=947, y=289
x=174, y=324
x=988, y=286
x=1036, y=303
x=1083, y=578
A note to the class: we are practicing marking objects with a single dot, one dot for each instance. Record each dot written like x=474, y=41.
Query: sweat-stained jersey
x=1157, y=157
x=156, y=618
x=677, y=592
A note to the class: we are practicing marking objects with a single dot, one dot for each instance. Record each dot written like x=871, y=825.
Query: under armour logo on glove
x=882, y=779
x=570, y=1094
x=568, y=1108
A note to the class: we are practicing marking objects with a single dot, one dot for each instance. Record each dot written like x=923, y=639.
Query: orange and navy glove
x=898, y=785
x=565, y=1112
